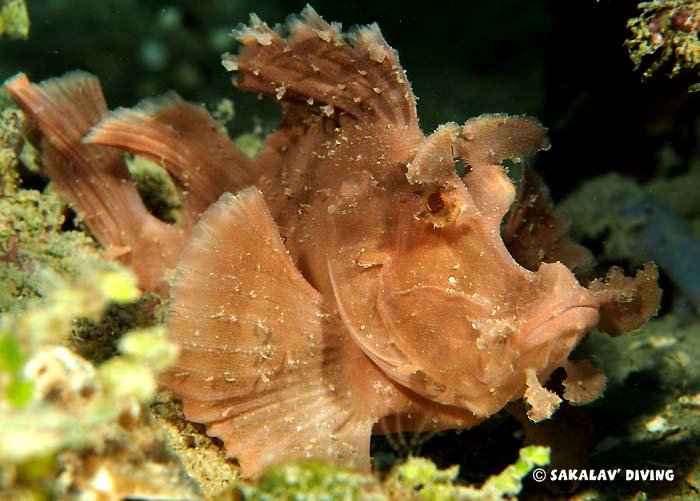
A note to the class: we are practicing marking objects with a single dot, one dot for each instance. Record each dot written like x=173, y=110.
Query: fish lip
x=528, y=339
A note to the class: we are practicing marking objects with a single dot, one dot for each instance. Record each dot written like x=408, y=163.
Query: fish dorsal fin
x=260, y=363
x=356, y=73
x=94, y=178
x=186, y=140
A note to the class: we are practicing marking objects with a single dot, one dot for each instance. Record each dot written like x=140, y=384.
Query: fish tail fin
x=93, y=178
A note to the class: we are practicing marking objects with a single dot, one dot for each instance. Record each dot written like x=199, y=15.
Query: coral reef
x=666, y=32
x=14, y=21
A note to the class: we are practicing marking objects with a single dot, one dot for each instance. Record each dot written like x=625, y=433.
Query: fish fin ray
x=357, y=73
x=259, y=361
x=183, y=138
x=94, y=178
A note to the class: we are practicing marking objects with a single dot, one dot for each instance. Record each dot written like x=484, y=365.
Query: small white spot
x=377, y=52
x=102, y=481
x=229, y=64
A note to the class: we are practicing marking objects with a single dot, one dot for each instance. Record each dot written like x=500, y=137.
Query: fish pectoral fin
x=291, y=424
x=356, y=73
x=259, y=362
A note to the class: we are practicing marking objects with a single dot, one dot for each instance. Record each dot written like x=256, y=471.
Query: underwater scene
x=271, y=250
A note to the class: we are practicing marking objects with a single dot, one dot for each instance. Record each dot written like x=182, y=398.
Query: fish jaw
x=463, y=351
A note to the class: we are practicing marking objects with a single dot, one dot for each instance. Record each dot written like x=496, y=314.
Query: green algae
x=11, y=142
x=250, y=143
x=416, y=479
x=419, y=479
x=31, y=239
x=14, y=20
x=309, y=480
x=52, y=399
x=157, y=189
x=31, y=236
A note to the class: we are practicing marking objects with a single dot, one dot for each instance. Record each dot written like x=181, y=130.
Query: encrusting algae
x=14, y=20
x=347, y=281
x=68, y=425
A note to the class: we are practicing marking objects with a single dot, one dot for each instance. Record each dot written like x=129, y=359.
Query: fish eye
x=436, y=202
x=438, y=206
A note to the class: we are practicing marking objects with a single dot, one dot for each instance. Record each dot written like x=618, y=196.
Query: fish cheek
x=464, y=360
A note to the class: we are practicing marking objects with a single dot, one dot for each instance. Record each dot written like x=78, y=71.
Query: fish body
x=427, y=322
x=346, y=280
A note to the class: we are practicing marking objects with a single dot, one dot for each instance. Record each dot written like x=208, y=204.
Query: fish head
x=433, y=296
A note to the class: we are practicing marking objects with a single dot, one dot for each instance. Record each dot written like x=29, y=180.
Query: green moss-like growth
x=419, y=479
x=310, y=480
x=14, y=20
x=251, y=143
x=156, y=188
x=96, y=339
x=31, y=240
x=509, y=482
x=11, y=142
x=416, y=479
x=42, y=382
x=52, y=400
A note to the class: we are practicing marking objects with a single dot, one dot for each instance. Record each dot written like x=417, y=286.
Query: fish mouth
x=564, y=320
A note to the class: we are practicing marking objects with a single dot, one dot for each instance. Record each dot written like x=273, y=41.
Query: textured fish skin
x=346, y=280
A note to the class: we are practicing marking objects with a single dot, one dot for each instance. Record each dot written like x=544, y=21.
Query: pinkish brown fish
x=347, y=280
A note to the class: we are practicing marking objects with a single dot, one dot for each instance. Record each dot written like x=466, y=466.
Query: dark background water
x=563, y=62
